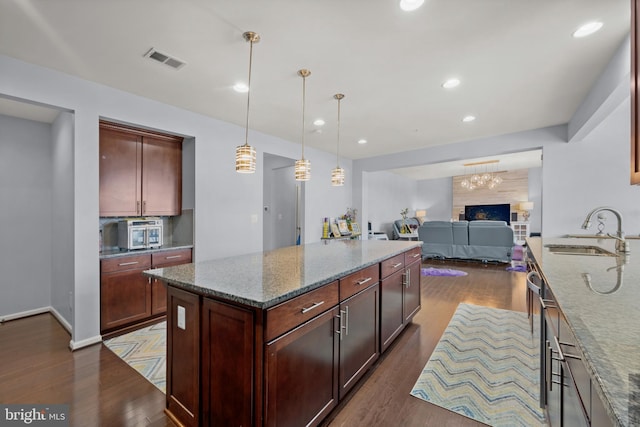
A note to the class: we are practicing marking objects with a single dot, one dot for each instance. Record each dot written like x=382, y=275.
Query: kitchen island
x=279, y=337
x=599, y=296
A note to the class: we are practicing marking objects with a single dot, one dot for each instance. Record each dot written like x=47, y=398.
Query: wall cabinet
x=140, y=172
x=126, y=296
x=635, y=110
x=520, y=231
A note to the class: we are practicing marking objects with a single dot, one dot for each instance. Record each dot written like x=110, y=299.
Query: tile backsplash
x=177, y=230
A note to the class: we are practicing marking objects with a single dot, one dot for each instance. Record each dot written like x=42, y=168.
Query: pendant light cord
x=304, y=86
x=338, y=148
x=246, y=135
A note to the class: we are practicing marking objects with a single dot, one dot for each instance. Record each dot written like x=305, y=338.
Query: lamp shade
x=421, y=213
x=525, y=206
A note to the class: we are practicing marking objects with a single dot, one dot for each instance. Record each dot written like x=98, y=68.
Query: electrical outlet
x=181, y=318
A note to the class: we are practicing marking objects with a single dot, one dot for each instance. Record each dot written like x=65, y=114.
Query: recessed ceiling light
x=241, y=87
x=362, y=141
x=409, y=5
x=451, y=83
x=587, y=29
x=318, y=122
x=468, y=119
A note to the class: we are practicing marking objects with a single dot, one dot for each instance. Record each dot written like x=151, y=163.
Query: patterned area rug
x=485, y=367
x=145, y=351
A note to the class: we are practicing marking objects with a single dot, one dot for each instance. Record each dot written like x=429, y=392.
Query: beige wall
x=513, y=190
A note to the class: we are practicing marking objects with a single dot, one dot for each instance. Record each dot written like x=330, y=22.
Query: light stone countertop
x=264, y=279
x=116, y=252
x=604, y=318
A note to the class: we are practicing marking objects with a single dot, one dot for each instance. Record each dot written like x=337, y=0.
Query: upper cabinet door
x=140, y=172
x=120, y=166
x=161, y=176
x=635, y=111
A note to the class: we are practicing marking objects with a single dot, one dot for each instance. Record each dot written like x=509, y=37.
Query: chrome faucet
x=621, y=243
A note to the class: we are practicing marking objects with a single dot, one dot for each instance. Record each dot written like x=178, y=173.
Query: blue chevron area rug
x=485, y=367
x=145, y=351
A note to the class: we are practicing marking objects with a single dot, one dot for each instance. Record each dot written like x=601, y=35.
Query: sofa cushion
x=460, y=232
x=490, y=233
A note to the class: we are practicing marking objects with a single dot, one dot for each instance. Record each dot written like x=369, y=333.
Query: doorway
x=283, y=209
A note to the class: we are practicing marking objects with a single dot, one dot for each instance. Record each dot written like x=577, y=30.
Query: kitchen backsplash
x=177, y=230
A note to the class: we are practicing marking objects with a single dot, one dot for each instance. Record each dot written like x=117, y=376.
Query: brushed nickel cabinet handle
x=144, y=206
x=408, y=279
x=173, y=256
x=363, y=281
x=308, y=309
x=122, y=264
x=396, y=265
x=346, y=321
x=138, y=207
x=415, y=255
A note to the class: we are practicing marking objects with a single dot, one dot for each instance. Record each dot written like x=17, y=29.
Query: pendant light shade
x=246, y=154
x=302, y=167
x=337, y=174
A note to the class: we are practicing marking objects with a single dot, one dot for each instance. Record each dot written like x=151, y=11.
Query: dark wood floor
x=36, y=365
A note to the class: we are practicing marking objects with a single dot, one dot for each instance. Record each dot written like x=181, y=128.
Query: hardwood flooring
x=36, y=365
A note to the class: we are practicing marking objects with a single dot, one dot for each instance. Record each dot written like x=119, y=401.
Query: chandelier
x=476, y=177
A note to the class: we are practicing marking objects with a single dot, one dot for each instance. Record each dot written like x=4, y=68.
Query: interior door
x=280, y=215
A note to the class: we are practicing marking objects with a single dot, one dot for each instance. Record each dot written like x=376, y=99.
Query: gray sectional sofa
x=477, y=240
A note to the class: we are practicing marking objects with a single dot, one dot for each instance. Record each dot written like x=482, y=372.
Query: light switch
x=181, y=318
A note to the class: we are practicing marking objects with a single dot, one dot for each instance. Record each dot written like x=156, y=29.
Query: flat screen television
x=501, y=212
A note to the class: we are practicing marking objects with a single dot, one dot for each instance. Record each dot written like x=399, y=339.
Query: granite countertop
x=264, y=279
x=117, y=252
x=600, y=298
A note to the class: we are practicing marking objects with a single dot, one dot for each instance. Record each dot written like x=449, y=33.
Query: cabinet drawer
x=177, y=256
x=358, y=281
x=412, y=256
x=298, y=310
x=391, y=265
x=129, y=262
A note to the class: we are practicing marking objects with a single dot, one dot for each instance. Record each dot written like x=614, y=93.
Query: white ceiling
x=519, y=65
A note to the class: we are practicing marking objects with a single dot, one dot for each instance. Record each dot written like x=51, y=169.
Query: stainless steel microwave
x=140, y=233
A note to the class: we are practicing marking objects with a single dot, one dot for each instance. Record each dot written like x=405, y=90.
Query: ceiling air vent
x=172, y=62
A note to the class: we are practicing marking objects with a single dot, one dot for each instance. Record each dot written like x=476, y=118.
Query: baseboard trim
x=26, y=313
x=75, y=345
x=65, y=324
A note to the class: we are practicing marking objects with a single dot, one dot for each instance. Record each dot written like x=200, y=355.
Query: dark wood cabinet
x=399, y=294
x=183, y=357
x=635, y=110
x=158, y=288
x=391, y=311
x=140, y=172
x=227, y=364
x=359, y=345
x=127, y=298
x=301, y=373
x=286, y=365
x=125, y=294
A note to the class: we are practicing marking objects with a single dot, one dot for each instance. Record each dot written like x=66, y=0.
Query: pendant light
x=303, y=166
x=337, y=174
x=246, y=154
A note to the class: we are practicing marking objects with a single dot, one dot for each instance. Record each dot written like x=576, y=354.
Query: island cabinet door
x=391, y=316
x=359, y=338
x=301, y=373
x=227, y=364
x=183, y=357
x=411, y=302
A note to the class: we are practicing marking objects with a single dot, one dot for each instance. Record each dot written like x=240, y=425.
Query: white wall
x=222, y=196
x=389, y=193
x=581, y=176
x=436, y=196
x=62, y=255
x=25, y=215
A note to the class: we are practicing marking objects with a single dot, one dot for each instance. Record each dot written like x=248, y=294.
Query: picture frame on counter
x=335, y=230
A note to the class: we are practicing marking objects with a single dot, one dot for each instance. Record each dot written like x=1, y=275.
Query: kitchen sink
x=588, y=250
